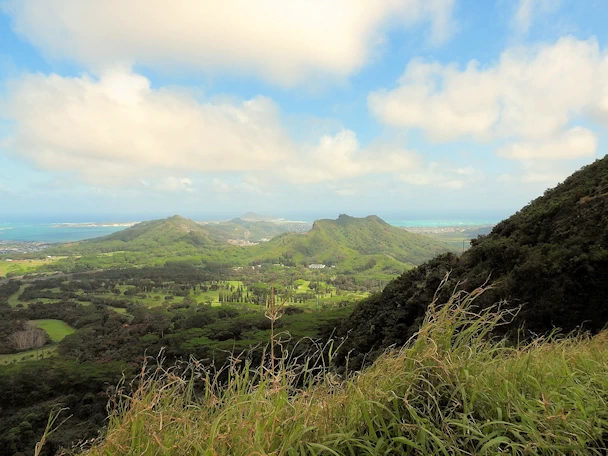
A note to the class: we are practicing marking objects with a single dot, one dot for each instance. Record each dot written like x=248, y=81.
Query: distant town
x=8, y=247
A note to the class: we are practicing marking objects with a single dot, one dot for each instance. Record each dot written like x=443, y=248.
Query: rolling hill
x=356, y=243
x=173, y=233
x=353, y=244
x=551, y=257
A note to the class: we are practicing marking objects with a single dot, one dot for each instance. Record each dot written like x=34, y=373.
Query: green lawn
x=119, y=310
x=29, y=355
x=20, y=267
x=56, y=329
x=13, y=300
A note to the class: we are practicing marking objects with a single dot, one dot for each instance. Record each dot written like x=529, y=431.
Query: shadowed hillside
x=551, y=257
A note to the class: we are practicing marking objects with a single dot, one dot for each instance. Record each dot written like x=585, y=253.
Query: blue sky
x=130, y=109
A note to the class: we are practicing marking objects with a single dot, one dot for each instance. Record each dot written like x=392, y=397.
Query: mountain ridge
x=550, y=257
x=333, y=241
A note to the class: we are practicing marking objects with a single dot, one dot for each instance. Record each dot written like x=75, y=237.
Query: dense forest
x=550, y=259
x=119, y=320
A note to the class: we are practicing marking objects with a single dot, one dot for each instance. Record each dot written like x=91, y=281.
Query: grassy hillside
x=174, y=232
x=356, y=243
x=551, y=258
x=147, y=243
x=451, y=391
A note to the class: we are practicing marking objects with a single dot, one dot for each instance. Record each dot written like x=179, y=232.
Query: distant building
x=316, y=266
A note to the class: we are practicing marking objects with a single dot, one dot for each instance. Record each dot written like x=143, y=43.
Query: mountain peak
x=332, y=241
x=177, y=217
x=158, y=233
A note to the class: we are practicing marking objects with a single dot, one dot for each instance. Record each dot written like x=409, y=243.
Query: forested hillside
x=353, y=245
x=551, y=258
x=357, y=243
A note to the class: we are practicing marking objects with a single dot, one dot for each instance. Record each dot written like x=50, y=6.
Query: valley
x=177, y=287
x=182, y=291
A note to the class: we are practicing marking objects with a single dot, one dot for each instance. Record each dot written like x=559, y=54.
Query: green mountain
x=358, y=243
x=551, y=257
x=173, y=233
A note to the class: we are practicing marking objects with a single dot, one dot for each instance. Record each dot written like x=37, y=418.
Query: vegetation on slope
x=30, y=391
x=452, y=390
x=115, y=317
x=356, y=243
x=551, y=257
x=173, y=232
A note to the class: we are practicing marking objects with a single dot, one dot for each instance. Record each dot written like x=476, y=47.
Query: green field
x=56, y=329
x=459, y=242
x=326, y=294
x=21, y=267
x=29, y=355
x=13, y=300
x=119, y=310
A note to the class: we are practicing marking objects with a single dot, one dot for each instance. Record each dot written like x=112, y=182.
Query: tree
x=28, y=339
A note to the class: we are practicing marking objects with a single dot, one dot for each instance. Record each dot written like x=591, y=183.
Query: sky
x=133, y=109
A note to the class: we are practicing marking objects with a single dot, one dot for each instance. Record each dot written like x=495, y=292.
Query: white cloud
x=444, y=175
x=341, y=157
x=175, y=184
x=532, y=94
x=117, y=131
x=577, y=142
x=537, y=174
x=247, y=185
x=527, y=10
x=285, y=42
x=118, y=128
x=6, y=191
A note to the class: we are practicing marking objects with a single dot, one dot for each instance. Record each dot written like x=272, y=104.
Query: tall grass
x=451, y=390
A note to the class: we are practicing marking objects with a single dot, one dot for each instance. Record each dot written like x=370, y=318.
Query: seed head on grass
x=452, y=389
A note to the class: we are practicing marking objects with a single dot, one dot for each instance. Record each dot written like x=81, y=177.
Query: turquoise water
x=53, y=232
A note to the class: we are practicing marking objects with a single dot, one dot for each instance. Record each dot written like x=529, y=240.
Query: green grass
x=14, y=299
x=119, y=310
x=452, y=390
x=21, y=267
x=29, y=355
x=56, y=329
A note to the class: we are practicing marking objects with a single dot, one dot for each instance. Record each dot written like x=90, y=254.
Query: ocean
x=57, y=232
x=69, y=232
